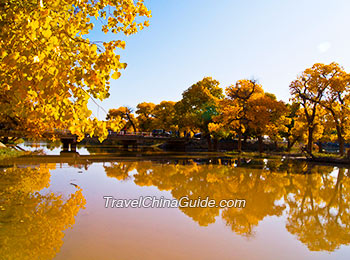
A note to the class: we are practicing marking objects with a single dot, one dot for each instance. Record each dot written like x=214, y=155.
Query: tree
x=235, y=108
x=125, y=113
x=325, y=132
x=337, y=101
x=198, y=106
x=298, y=132
x=49, y=69
x=292, y=134
x=267, y=116
x=320, y=86
x=145, y=116
x=164, y=116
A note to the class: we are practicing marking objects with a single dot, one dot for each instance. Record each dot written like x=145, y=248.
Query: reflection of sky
x=42, y=145
x=272, y=41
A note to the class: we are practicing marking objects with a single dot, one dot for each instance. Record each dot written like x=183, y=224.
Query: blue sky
x=269, y=40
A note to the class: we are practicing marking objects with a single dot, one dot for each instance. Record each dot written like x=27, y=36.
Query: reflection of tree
x=316, y=203
x=32, y=223
x=182, y=179
x=261, y=189
x=319, y=210
x=218, y=182
x=120, y=170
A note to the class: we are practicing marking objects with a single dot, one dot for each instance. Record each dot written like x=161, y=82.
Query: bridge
x=69, y=141
x=136, y=139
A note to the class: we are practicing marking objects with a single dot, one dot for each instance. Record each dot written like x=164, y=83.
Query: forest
x=318, y=111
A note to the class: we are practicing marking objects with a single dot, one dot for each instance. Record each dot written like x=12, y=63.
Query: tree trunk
x=320, y=147
x=132, y=123
x=289, y=145
x=340, y=141
x=310, y=140
x=133, y=126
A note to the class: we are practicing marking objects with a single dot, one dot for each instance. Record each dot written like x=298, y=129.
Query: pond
x=55, y=207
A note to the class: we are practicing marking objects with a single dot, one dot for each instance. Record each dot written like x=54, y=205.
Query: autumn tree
x=320, y=86
x=235, y=108
x=126, y=114
x=164, y=116
x=50, y=69
x=266, y=116
x=337, y=101
x=198, y=106
x=326, y=131
x=145, y=116
x=290, y=132
x=298, y=132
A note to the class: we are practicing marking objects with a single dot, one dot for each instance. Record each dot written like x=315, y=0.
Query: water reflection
x=312, y=200
x=315, y=199
x=32, y=223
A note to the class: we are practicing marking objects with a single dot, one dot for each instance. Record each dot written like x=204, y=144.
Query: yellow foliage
x=247, y=107
x=49, y=69
x=323, y=92
x=124, y=116
x=145, y=116
x=198, y=105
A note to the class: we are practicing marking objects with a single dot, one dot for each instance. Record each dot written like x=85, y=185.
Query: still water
x=52, y=207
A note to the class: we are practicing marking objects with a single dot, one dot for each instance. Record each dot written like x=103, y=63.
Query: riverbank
x=8, y=153
x=266, y=155
x=329, y=160
x=320, y=158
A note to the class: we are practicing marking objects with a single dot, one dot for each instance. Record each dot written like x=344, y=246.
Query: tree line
x=318, y=111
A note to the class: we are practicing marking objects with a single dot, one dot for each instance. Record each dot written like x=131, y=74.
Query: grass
x=268, y=155
x=328, y=155
x=7, y=153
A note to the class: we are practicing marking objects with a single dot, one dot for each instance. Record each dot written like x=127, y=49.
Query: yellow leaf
x=116, y=75
x=47, y=33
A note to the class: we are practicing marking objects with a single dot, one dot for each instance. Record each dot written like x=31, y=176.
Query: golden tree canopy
x=49, y=68
x=198, y=105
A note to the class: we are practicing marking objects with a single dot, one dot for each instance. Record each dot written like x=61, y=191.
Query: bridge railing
x=131, y=133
